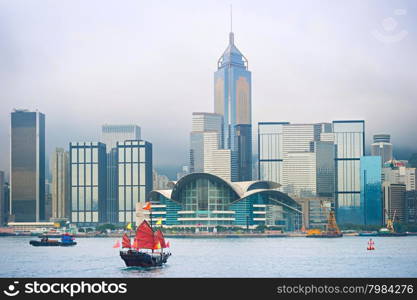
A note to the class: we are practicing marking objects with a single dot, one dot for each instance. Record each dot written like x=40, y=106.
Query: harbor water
x=226, y=257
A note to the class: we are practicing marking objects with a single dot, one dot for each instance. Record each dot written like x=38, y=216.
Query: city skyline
x=347, y=72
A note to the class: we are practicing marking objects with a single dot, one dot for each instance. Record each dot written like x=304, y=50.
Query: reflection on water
x=240, y=257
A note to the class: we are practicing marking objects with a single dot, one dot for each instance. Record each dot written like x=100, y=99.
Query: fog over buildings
x=88, y=63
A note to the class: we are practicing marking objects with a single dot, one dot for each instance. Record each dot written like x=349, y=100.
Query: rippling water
x=238, y=257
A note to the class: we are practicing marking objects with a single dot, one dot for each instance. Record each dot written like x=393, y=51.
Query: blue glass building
x=371, y=190
x=232, y=100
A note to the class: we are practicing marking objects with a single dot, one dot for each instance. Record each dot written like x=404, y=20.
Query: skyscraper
x=27, y=166
x=394, y=201
x=271, y=152
x=203, y=126
x=382, y=147
x=59, y=165
x=371, y=192
x=111, y=134
x=88, y=183
x=294, y=156
x=134, y=177
x=232, y=100
x=349, y=138
x=2, y=198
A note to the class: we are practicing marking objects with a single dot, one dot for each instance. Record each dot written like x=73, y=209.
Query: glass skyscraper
x=135, y=182
x=371, y=190
x=232, y=100
x=270, y=149
x=27, y=166
x=88, y=183
x=349, y=138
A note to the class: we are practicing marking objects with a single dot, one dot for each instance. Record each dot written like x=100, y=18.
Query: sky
x=151, y=63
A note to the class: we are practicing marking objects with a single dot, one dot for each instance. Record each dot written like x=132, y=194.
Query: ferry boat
x=144, y=250
x=66, y=240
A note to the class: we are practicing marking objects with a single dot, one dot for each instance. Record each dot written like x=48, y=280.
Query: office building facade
x=88, y=183
x=411, y=206
x=135, y=180
x=205, y=126
x=60, y=185
x=349, y=138
x=394, y=202
x=382, y=147
x=294, y=156
x=371, y=205
x=243, y=142
x=27, y=166
x=271, y=152
x=397, y=172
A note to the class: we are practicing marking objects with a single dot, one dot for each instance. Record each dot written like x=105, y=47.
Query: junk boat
x=66, y=240
x=332, y=230
x=142, y=252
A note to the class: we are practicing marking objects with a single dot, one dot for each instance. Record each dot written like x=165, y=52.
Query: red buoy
x=371, y=245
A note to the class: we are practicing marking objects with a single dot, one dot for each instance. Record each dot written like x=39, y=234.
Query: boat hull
x=51, y=244
x=325, y=236
x=144, y=260
x=392, y=234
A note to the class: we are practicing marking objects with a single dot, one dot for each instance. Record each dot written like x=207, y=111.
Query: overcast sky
x=86, y=63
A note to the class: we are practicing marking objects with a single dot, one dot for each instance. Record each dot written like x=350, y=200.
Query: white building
x=382, y=147
x=111, y=134
x=300, y=174
x=397, y=173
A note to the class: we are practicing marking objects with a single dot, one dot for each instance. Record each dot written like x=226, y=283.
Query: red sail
x=145, y=236
x=159, y=237
x=126, y=241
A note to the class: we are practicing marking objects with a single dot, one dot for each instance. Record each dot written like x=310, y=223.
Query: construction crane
x=390, y=222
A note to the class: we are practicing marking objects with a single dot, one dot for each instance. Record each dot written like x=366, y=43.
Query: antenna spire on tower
x=231, y=18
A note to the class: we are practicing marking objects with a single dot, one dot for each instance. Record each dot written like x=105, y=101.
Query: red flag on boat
x=126, y=241
x=159, y=237
x=117, y=244
x=148, y=206
x=145, y=236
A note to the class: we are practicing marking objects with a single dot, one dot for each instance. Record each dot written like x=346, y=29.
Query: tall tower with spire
x=232, y=100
